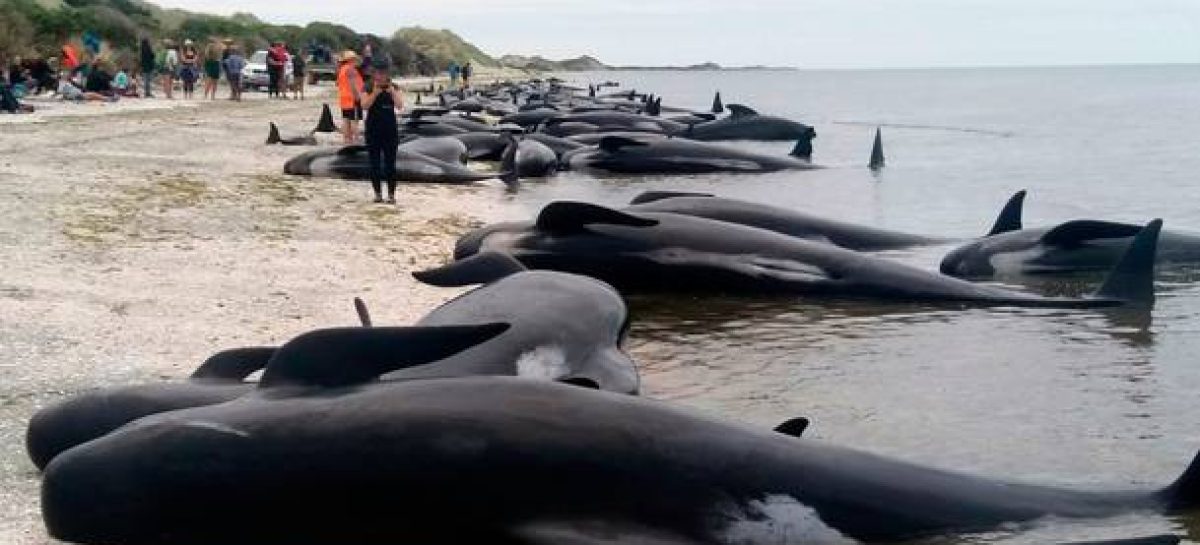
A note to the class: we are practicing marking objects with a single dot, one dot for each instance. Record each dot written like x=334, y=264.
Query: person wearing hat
x=382, y=100
x=350, y=88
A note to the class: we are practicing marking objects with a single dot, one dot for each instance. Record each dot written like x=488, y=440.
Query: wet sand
x=136, y=244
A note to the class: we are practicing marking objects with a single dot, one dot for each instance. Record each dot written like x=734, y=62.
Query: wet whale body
x=538, y=344
x=90, y=415
x=777, y=219
x=572, y=334
x=746, y=124
x=350, y=163
x=527, y=158
x=672, y=252
x=409, y=462
x=624, y=155
x=1078, y=245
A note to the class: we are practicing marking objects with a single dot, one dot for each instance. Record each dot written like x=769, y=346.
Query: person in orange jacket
x=350, y=89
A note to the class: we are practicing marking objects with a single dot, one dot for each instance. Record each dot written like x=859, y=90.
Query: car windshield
x=259, y=57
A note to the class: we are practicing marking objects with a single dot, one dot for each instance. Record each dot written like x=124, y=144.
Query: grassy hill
x=442, y=46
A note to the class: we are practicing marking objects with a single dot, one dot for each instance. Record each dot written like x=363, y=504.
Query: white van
x=254, y=75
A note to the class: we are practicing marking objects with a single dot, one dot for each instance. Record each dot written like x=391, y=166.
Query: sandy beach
x=139, y=238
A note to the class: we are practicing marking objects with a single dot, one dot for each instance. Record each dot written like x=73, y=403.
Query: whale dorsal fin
x=325, y=124
x=1131, y=280
x=1010, y=216
x=356, y=149
x=482, y=268
x=613, y=144
x=794, y=427
x=1075, y=233
x=717, y=106
x=340, y=357
x=570, y=216
x=273, y=134
x=738, y=110
x=235, y=364
x=655, y=196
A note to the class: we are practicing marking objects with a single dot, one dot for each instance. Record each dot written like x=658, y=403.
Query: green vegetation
x=40, y=27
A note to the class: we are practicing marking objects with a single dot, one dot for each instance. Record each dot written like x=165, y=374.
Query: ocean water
x=1083, y=398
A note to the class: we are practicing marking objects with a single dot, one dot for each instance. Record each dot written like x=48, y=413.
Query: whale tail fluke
x=482, y=268
x=803, y=148
x=1010, y=216
x=234, y=365
x=1132, y=279
x=273, y=135
x=877, y=160
x=325, y=124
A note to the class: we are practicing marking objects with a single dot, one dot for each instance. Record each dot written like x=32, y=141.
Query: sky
x=798, y=33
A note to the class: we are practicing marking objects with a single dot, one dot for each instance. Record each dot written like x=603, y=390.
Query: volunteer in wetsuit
x=382, y=100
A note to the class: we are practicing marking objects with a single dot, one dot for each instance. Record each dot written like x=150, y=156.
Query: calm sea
x=1078, y=398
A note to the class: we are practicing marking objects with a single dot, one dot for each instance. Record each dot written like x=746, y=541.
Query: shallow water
x=1099, y=399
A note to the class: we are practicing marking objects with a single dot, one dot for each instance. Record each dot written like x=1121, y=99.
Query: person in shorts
x=350, y=89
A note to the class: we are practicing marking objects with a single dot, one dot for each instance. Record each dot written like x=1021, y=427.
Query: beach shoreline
x=136, y=245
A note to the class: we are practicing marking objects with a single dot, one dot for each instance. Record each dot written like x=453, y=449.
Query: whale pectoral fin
x=1075, y=233
x=571, y=216
x=235, y=364
x=738, y=110
x=481, y=268
x=654, y=196
x=347, y=151
x=273, y=134
x=613, y=144
x=1010, y=216
x=340, y=357
x=794, y=427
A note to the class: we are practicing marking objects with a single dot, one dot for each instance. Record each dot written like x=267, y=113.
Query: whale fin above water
x=794, y=427
x=364, y=315
x=654, y=196
x=613, y=144
x=234, y=365
x=341, y=357
x=737, y=110
x=1075, y=233
x=1010, y=216
x=717, y=106
x=326, y=122
x=1132, y=279
x=273, y=134
x=571, y=216
x=877, y=160
x=481, y=268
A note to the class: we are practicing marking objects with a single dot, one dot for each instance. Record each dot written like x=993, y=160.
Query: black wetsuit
x=383, y=138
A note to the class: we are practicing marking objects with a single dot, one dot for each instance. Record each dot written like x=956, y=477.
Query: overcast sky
x=801, y=33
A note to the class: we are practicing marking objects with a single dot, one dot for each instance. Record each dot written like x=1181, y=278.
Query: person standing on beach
x=382, y=131
x=212, y=68
x=189, y=70
x=350, y=86
x=147, y=65
x=453, y=71
x=298, y=66
x=466, y=75
x=234, y=63
x=276, y=60
x=168, y=66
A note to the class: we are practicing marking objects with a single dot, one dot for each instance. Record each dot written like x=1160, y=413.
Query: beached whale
x=746, y=124
x=443, y=148
x=573, y=333
x=527, y=158
x=561, y=146
x=624, y=120
x=780, y=220
x=503, y=460
x=672, y=252
x=89, y=415
x=273, y=137
x=1078, y=245
x=623, y=155
x=350, y=163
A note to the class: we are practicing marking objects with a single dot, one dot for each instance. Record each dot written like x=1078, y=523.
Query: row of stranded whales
x=350, y=162
x=1077, y=245
x=633, y=155
x=536, y=344
x=660, y=251
x=504, y=460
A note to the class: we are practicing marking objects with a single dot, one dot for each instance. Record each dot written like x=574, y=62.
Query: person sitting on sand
x=99, y=79
x=8, y=101
x=69, y=91
x=350, y=88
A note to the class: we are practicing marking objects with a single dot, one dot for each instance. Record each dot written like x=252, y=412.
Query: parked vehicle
x=254, y=75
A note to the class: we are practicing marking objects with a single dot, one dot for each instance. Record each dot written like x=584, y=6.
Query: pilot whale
x=499, y=459
x=664, y=251
x=634, y=155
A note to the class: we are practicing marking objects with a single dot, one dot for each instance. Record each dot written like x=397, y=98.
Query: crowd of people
x=87, y=74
